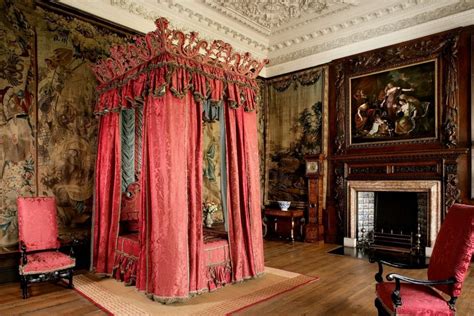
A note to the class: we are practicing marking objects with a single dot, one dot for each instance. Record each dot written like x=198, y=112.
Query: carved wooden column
x=452, y=191
x=314, y=229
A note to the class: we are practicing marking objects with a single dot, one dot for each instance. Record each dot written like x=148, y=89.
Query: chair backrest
x=453, y=248
x=37, y=223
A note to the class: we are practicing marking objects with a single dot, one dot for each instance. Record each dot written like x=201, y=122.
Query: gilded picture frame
x=395, y=105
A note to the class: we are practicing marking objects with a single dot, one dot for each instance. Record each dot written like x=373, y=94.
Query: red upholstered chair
x=447, y=269
x=39, y=244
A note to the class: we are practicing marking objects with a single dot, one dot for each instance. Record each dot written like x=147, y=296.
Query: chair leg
x=381, y=311
x=24, y=286
x=70, y=279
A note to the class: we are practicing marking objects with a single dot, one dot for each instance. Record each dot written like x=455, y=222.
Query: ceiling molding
x=300, y=37
x=326, y=56
x=271, y=17
x=330, y=27
x=152, y=12
x=373, y=33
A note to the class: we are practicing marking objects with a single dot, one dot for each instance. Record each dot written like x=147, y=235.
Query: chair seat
x=46, y=262
x=416, y=300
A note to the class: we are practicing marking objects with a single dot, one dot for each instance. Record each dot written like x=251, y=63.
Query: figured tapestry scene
x=47, y=128
x=17, y=87
x=261, y=118
x=212, y=163
x=293, y=130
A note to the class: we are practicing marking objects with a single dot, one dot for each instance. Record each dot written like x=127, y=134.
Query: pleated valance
x=172, y=60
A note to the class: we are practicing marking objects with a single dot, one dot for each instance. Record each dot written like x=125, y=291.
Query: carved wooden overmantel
x=442, y=47
x=435, y=158
x=421, y=165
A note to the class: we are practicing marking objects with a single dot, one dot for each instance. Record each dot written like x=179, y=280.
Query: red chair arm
x=399, y=277
x=379, y=274
x=396, y=298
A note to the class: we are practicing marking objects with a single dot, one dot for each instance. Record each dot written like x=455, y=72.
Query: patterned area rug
x=117, y=299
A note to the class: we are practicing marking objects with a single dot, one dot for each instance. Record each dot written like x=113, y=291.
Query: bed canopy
x=169, y=76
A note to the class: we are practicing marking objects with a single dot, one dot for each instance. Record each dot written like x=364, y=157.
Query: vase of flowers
x=209, y=208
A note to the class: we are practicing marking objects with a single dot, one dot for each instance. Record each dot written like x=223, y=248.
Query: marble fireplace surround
x=431, y=187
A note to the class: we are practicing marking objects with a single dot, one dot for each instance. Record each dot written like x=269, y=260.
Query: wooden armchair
x=447, y=269
x=39, y=244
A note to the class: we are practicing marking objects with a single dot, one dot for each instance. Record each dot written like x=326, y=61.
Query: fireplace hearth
x=359, y=176
x=397, y=215
x=392, y=220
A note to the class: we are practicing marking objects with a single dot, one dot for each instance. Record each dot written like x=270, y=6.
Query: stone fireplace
x=430, y=175
x=424, y=197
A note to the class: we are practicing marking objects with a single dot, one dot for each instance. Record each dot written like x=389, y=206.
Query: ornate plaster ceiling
x=293, y=34
x=268, y=16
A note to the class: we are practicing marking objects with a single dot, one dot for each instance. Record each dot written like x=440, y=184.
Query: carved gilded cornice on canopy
x=219, y=54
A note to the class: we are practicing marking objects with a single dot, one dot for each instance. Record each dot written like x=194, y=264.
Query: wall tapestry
x=211, y=185
x=47, y=129
x=294, y=129
x=17, y=87
x=261, y=101
x=394, y=105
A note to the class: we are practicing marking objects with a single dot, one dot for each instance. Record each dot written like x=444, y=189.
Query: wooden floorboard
x=345, y=287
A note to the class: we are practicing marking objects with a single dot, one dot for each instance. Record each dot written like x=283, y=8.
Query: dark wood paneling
x=420, y=160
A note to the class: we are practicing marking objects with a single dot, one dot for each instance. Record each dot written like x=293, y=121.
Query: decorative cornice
x=124, y=58
x=312, y=39
x=439, y=153
x=368, y=34
x=150, y=14
x=327, y=30
x=136, y=9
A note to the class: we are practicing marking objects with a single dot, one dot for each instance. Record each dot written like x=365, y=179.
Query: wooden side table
x=277, y=214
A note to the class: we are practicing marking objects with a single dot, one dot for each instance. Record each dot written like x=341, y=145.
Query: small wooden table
x=277, y=214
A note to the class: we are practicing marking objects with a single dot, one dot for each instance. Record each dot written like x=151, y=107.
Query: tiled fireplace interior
x=406, y=216
x=413, y=206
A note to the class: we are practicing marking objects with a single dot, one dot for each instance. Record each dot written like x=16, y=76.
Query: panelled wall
x=401, y=113
x=403, y=108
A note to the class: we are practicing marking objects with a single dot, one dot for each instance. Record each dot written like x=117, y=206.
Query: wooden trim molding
x=472, y=117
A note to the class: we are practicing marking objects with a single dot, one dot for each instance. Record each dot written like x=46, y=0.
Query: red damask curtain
x=170, y=73
x=171, y=264
x=245, y=224
x=107, y=193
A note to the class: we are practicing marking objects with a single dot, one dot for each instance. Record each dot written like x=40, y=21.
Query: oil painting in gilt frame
x=394, y=105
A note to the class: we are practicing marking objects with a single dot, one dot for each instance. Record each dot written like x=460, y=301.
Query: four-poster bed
x=152, y=231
